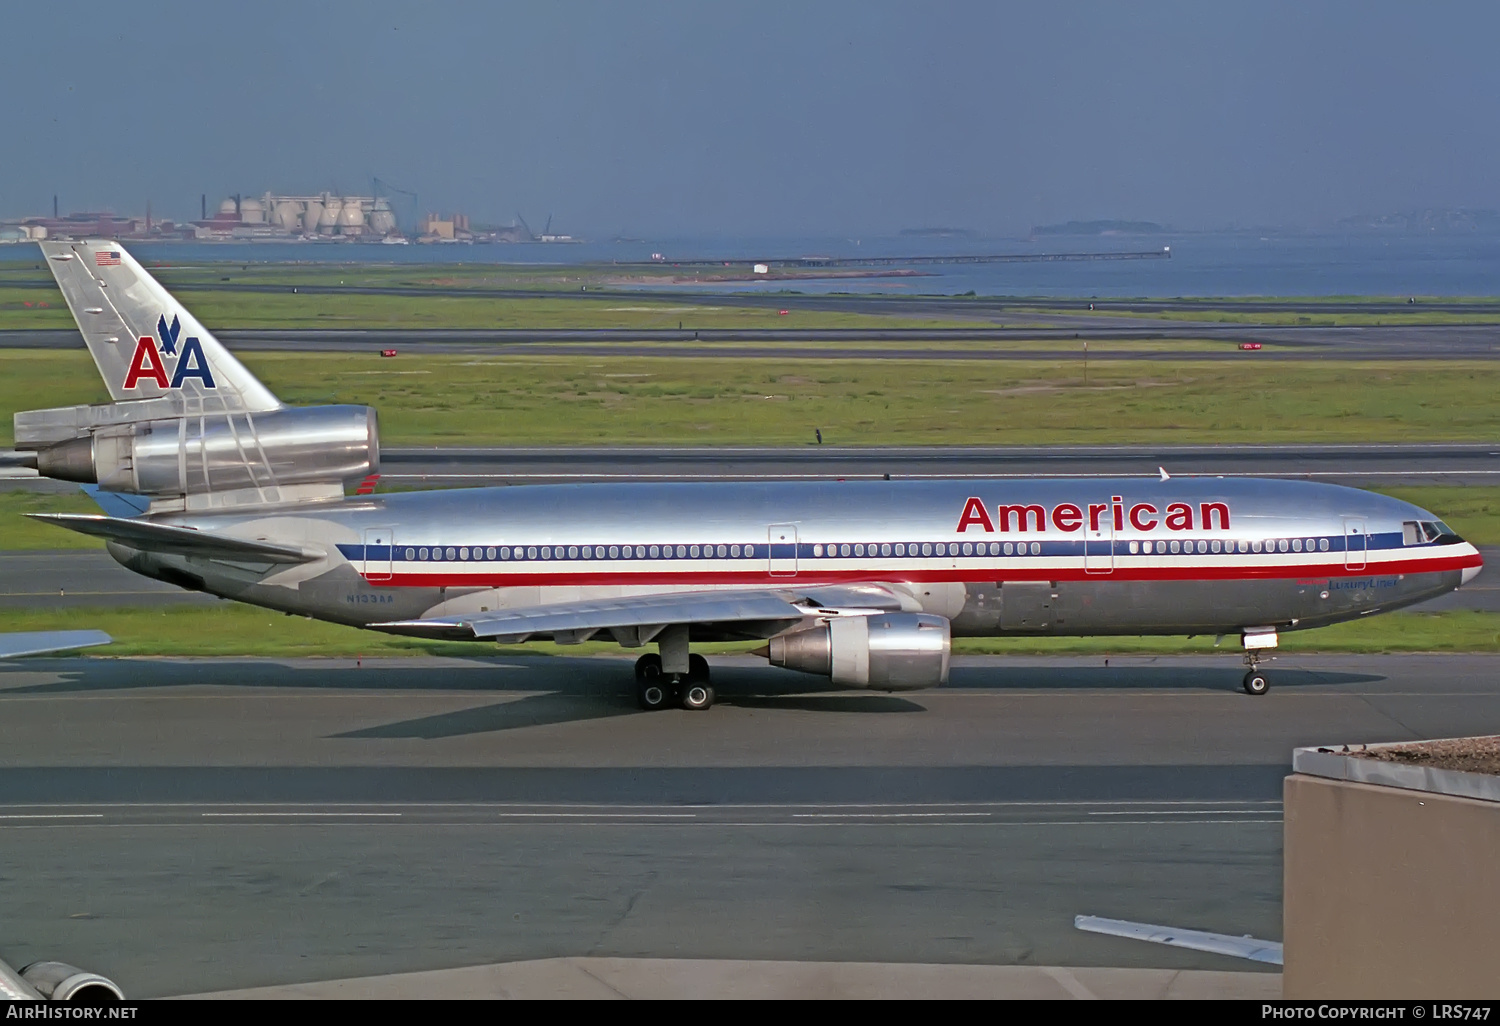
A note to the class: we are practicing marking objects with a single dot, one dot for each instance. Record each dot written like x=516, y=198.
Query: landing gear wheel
x=652, y=689
x=1255, y=683
x=697, y=694
x=697, y=668
x=653, y=693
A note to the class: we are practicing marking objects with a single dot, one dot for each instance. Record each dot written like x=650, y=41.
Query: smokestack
x=54, y=206
x=203, y=206
x=237, y=216
x=148, y=217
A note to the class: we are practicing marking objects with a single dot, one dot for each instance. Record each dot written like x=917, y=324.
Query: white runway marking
x=320, y=815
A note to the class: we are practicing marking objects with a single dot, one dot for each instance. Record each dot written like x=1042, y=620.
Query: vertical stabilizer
x=145, y=343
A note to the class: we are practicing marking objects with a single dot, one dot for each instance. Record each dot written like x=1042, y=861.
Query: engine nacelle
x=888, y=651
x=219, y=452
x=58, y=981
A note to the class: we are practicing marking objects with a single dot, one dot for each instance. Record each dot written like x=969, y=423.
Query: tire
x=698, y=668
x=648, y=665
x=1255, y=683
x=697, y=695
x=654, y=692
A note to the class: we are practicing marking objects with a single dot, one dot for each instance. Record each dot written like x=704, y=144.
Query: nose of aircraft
x=1471, y=572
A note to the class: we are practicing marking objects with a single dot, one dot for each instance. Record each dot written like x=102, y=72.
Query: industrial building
x=324, y=215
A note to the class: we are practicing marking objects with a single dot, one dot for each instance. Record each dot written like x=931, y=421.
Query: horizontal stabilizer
x=185, y=541
x=26, y=643
x=118, y=504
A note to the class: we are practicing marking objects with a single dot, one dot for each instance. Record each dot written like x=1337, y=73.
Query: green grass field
x=232, y=629
x=460, y=399
x=36, y=309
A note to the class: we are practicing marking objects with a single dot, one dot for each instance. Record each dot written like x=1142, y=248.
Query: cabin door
x=782, y=550
x=379, y=548
x=1356, y=544
x=1099, y=547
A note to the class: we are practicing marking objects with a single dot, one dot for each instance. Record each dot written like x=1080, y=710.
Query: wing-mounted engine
x=204, y=460
x=57, y=981
x=887, y=651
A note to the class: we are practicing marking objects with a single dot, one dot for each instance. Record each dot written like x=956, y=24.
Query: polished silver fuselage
x=997, y=557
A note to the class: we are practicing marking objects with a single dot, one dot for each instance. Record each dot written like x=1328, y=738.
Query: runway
x=194, y=825
x=1054, y=341
x=1358, y=464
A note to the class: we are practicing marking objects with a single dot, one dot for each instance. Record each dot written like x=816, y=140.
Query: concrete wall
x=1389, y=893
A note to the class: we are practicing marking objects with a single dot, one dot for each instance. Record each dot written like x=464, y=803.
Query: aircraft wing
x=636, y=619
x=185, y=541
x=25, y=643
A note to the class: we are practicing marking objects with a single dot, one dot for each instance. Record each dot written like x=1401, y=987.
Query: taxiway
x=193, y=825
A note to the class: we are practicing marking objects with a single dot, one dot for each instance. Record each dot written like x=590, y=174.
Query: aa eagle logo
x=149, y=364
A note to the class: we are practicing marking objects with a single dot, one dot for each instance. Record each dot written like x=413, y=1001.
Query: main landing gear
x=1255, y=682
x=655, y=689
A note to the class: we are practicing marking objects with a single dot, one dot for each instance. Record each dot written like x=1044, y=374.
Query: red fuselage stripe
x=805, y=576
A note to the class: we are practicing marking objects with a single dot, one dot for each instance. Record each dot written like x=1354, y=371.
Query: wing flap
x=772, y=609
x=185, y=541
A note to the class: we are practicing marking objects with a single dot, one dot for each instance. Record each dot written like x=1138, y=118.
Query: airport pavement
x=1055, y=341
x=616, y=979
x=1351, y=464
x=840, y=302
x=1368, y=464
x=203, y=825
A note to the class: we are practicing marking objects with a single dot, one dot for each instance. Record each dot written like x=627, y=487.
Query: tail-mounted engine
x=887, y=652
x=207, y=460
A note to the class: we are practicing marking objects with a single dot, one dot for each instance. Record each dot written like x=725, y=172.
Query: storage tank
x=252, y=212
x=288, y=215
x=332, y=206
x=227, y=207
x=310, y=217
x=352, y=217
x=382, y=221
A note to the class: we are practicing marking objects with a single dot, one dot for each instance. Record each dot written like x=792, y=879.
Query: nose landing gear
x=1255, y=682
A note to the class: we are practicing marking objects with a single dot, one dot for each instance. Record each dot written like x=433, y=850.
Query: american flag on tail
x=107, y=258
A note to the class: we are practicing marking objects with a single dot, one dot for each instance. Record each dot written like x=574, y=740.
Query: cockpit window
x=1411, y=533
x=1436, y=532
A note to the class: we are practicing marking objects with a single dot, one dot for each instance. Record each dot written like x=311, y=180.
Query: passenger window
x=1134, y=547
x=1036, y=548
x=1322, y=544
x=1296, y=544
x=1175, y=546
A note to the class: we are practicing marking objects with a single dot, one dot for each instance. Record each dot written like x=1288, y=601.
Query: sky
x=720, y=119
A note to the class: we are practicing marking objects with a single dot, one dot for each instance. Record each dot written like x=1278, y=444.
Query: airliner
x=208, y=481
